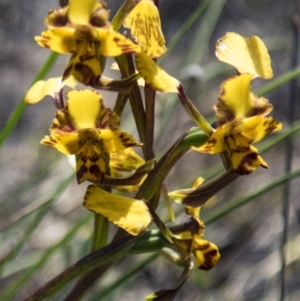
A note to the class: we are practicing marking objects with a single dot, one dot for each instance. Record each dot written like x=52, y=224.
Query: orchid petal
x=130, y=214
x=257, y=127
x=145, y=25
x=246, y=162
x=59, y=40
x=84, y=107
x=235, y=100
x=115, y=141
x=50, y=87
x=206, y=253
x=246, y=54
x=215, y=144
x=155, y=76
x=79, y=12
x=64, y=143
x=113, y=43
x=90, y=159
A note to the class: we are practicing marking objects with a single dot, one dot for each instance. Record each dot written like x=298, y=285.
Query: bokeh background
x=41, y=202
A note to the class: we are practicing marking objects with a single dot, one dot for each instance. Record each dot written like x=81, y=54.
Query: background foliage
x=44, y=227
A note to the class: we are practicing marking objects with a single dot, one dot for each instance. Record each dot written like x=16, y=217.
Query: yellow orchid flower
x=82, y=29
x=145, y=25
x=241, y=113
x=189, y=240
x=89, y=130
x=205, y=252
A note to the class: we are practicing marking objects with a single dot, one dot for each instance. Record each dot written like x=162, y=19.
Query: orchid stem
x=100, y=236
x=168, y=203
x=193, y=112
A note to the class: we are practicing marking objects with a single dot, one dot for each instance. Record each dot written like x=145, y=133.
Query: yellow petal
x=235, y=99
x=215, y=144
x=124, y=162
x=144, y=22
x=198, y=182
x=246, y=54
x=85, y=64
x=64, y=143
x=257, y=127
x=50, y=87
x=206, y=253
x=90, y=160
x=194, y=212
x=245, y=163
x=179, y=195
x=59, y=40
x=235, y=141
x=79, y=12
x=113, y=43
x=155, y=76
x=84, y=107
x=115, y=141
x=261, y=107
x=57, y=18
x=130, y=214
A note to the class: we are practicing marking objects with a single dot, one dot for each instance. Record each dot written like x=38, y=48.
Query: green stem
x=150, y=121
x=157, y=175
x=202, y=194
x=193, y=112
x=101, y=226
x=168, y=203
x=20, y=107
x=127, y=68
x=122, y=13
x=120, y=104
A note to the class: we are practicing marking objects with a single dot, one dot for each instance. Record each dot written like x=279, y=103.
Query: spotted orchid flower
x=187, y=242
x=205, y=252
x=89, y=130
x=82, y=29
x=241, y=114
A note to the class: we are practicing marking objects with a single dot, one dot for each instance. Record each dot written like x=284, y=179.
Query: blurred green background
x=43, y=225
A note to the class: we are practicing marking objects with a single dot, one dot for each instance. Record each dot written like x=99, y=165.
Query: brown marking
x=88, y=76
x=81, y=174
x=97, y=172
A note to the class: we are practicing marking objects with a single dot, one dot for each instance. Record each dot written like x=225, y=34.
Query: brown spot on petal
x=88, y=76
x=224, y=113
x=211, y=256
x=96, y=171
x=94, y=158
x=273, y=125
x=249, y=163
x=81, y=174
